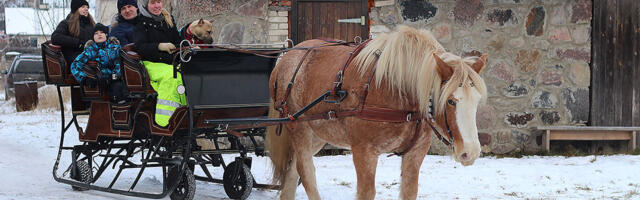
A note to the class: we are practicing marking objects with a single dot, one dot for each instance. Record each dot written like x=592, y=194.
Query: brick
x=535, y=21
x=273, y=13
x=442, y=32
x=581, y=11
x=501, y=71
x=519, y=120
x=551, y=78
x=581, y=34
x=559, y=34
x=544, y=99
x=283, y=13
x=485, y=116
x=273, y=26
x=580, y=74
x=515, y=90
x=414, y=10
x=549, y=117
x=278, y=32
x=278, y=19
x=466, y=12
x=501, y=16
x=384, y=3
x=559, y=16
x=254, y=8
x=283, y=26
x=577, y=102
x=574, y=54
x=528, y=60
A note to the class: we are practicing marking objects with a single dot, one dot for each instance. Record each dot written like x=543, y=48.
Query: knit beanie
x=75, y=4
x=100, y=27
x=122, y=3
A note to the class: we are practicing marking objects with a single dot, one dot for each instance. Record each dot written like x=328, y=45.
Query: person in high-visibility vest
x=156, y=37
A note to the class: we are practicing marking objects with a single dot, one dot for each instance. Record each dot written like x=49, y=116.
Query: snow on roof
x=30, y=21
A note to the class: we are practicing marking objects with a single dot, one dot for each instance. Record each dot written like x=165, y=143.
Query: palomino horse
x=405, y=68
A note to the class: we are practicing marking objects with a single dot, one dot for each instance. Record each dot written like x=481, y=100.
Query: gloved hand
x=168, y=47
x=89, y=82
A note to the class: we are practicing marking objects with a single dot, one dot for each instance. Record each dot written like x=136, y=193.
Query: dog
x=198, y=32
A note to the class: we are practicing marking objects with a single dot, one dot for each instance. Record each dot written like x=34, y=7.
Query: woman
x=73, y=32
x=105, y=53
x=156, y=38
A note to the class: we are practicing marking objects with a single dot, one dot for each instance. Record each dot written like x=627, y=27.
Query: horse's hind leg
x=305, y=146
x=288, y=190
x=411, y=162
x=365, y=160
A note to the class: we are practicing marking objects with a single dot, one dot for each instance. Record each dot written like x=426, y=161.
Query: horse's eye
x=451, y=102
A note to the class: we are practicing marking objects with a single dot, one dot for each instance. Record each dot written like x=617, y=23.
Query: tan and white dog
x=198, y=32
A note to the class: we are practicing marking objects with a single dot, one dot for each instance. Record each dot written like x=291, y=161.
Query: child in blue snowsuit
x=105, y=53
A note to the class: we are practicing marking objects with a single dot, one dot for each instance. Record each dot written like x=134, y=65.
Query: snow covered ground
x=29, y=146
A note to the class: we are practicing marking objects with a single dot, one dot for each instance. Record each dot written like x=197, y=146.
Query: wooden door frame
x=294, y=16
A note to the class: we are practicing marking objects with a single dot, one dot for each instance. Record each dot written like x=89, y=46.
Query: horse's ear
x=445, y=71
x=201, y=21
x=479, y=65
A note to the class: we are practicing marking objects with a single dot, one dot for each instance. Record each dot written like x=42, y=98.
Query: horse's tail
x=279, y=148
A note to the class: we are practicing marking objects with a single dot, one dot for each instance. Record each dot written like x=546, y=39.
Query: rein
x=361, y=111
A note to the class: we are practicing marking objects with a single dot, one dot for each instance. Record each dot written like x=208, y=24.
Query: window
x=29, y=66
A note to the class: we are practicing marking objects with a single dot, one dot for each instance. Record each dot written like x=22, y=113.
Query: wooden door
x=615, y=72
x=312, y=19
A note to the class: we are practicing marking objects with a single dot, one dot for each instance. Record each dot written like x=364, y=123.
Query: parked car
x=24, y=67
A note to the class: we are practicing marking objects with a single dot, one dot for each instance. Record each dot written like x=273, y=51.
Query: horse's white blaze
x=466, y=120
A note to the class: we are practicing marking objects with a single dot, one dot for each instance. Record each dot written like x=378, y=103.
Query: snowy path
x=29, y=146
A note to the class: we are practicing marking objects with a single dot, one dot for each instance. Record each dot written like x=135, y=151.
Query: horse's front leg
x=411, y=162
x=365, y=161
x=305, y=147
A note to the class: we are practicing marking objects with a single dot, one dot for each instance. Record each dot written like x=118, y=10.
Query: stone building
x=538, y=70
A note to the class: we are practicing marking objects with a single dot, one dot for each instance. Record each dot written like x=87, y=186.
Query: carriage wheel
x=237, y=180
x=83, y=174
x=186, y=188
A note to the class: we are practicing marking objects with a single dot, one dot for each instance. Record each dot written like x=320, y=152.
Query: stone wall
x=236, y=21
x=538, y=68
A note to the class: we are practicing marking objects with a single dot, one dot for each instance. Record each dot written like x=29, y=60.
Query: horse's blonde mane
x=463, y=75
x=406, y=61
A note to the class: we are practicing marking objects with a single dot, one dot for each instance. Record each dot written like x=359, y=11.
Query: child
x=105, y=54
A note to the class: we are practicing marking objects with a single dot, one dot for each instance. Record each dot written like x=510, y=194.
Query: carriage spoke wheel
x=237, y=180
x=83, y=174
x=186, y=189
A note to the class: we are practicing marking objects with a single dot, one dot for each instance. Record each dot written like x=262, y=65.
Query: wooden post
x=547, y=138
x=632, y=143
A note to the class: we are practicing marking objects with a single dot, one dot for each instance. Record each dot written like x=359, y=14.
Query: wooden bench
x=589, y=133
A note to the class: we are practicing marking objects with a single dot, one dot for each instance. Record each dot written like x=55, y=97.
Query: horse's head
x=456, y=104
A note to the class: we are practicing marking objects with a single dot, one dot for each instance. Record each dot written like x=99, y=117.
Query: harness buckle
x=332, y=115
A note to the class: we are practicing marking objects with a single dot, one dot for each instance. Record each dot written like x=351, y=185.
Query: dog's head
x=202, y=30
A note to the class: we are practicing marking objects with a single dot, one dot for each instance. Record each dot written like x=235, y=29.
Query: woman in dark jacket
x=156, y=38
x=73, y=32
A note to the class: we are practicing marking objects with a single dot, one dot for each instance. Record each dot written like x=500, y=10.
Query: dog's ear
x=201, y=21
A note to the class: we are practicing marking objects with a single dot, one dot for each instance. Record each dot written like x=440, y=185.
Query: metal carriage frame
x=125, y=137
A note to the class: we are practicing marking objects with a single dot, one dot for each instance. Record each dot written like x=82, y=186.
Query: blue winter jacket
x=123, y=30
x=106, y=54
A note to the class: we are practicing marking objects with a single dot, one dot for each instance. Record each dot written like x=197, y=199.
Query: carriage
x=383, y=95
x=221, y=83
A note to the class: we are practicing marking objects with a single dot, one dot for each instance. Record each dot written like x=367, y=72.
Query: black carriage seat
x=134, y=74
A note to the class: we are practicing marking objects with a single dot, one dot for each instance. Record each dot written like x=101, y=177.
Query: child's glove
x=168, y=47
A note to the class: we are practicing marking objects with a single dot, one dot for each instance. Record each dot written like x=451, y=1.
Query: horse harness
x=361, y=111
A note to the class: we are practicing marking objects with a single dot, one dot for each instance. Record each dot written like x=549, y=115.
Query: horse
x=407, y=69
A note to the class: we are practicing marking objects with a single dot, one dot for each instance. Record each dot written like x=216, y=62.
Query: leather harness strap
x=361, y=111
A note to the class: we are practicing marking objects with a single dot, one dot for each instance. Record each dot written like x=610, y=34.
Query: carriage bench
x=589, y=133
